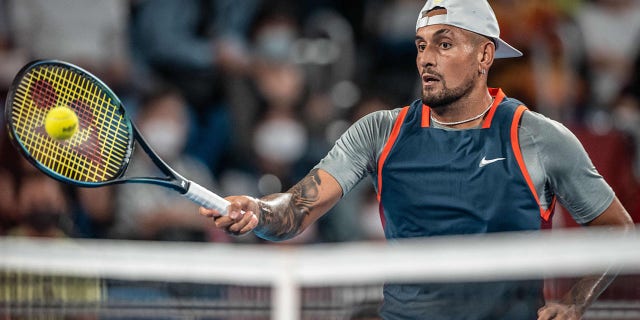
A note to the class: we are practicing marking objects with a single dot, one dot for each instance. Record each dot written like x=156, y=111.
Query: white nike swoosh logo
x=485, y=162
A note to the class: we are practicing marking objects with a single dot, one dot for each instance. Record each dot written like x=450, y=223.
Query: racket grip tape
x=206, y=198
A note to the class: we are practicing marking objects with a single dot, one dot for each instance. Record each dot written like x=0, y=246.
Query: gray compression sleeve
x=558, y=164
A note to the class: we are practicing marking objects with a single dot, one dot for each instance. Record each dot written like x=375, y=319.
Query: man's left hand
x=558, y=311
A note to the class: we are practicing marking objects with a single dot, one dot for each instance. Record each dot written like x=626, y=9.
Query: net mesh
x=47, y=279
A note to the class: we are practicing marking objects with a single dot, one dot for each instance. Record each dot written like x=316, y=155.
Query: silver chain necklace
x=462, y=121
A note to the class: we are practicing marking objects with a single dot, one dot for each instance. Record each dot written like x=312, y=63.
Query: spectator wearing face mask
x=146, y=211
x=198, y=46
x=41, y=206
x=31, y=204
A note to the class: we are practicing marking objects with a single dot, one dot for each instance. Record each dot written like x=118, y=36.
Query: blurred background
x=245, y=97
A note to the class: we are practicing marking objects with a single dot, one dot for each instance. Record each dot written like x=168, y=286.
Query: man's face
x=447, y=62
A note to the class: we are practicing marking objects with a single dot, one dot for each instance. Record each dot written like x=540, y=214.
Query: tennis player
x=464, y=159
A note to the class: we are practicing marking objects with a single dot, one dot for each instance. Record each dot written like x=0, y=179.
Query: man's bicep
x=570, y=172
x=319, y=191
x=355, y=153
x=329, y=191
x=614, y=215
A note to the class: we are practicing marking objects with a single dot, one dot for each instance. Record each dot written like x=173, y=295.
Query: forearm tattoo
x=282, y=214
x=587, y=290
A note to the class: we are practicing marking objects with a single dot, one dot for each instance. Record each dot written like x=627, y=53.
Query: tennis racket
x=100, y=150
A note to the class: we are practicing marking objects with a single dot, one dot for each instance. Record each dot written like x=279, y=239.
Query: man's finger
x=223, y=222
x=547, y=314
x=209, y=212
x=237, y=207
x=242, y=223
x=253, y=223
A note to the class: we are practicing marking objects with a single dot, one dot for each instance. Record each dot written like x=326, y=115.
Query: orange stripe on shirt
x=515, y=144
x=395, y=131
x=498, y=96
x=426, y=116
x=387, y=147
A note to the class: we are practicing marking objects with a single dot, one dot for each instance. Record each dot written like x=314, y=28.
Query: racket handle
x=206, y=198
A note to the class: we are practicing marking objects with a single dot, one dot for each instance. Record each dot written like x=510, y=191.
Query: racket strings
x=97, y=151
x=49, y=153
x=100, y=102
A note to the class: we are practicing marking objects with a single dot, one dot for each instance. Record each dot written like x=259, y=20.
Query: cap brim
x=504, y=50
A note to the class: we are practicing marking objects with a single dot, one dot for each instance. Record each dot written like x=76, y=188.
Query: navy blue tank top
x=434, y=182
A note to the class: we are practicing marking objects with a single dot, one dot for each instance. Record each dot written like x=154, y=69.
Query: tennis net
x=99, y=279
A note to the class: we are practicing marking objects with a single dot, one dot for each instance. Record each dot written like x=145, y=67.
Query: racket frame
x=172, y=180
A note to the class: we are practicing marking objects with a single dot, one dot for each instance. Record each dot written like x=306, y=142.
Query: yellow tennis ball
x=61, y=123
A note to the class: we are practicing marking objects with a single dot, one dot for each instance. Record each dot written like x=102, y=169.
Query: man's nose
x=425, y=58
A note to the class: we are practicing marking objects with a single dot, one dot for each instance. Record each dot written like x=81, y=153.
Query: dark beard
x=447, y=96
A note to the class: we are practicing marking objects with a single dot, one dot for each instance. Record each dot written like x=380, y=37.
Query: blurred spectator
x=626, y=111
x=328, y=53
x=279, y=136
x=515, y=76
x=9, y=175
x=92, y=211
x=389, y=29
x=89, y=33
x=550, y=77
x=41, y=205
x=151, y=212
x=557, y=62
x=11, y=58
x=633, y=86
x=4, y=25
x=327, y=50
x=626, y=118
x=611, y=30
x=7, y=201
x=195, y=46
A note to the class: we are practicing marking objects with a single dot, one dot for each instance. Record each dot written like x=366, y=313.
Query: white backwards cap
x=472, y=15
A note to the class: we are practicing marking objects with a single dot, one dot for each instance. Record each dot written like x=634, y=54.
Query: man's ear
x=486, y=54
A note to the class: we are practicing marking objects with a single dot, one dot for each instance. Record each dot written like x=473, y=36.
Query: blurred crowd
x=245, y=97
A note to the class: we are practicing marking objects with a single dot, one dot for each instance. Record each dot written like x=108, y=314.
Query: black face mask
x=41, y=220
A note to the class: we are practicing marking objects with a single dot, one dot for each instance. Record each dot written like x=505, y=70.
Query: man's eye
x=445, y=45
x=421, y=47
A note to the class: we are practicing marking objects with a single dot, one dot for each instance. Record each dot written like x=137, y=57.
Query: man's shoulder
x=383, y=115
x=547, y=134
x=538, y=123
x=379, y=119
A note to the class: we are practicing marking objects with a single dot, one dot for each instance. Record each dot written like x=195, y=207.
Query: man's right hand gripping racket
x=99, y=151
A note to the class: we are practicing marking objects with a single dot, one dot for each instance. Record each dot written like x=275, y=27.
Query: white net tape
x=287, y=269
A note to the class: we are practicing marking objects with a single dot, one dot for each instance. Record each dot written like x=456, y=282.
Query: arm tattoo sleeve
x=282, y=214
x=587, y=290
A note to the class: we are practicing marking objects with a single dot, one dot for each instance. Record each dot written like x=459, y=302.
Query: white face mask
x=166, y=137
x=275, y=43
x=280, y=140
